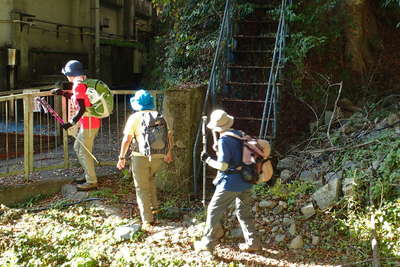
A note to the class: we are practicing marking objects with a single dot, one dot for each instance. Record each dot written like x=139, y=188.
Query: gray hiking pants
x=215, y=212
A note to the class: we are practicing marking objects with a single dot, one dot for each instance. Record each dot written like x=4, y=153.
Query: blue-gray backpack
x=154, y=131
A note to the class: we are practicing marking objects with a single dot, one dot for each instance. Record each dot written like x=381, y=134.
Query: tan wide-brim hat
x=220, y=121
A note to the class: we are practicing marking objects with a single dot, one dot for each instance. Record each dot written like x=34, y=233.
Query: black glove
x=60, y=86
x=204, y=156
x=63, y=85
x=66, y=126
x=57, y=91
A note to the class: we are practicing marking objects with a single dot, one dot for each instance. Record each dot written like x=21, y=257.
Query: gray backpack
x=154, y=131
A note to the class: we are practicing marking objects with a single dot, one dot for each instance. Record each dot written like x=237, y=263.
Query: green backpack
x=100, y=97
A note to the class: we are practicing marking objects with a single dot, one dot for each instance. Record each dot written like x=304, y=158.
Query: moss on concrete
x=182, y=108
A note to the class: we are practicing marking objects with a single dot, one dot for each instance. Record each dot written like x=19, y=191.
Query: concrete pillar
x=182, y=109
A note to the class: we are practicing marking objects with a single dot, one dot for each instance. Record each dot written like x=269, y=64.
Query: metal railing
x=270, y=110
x=217, y=76
x=31, y=140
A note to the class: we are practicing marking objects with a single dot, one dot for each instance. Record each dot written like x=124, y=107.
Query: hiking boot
x=249, y=248
x=155, y=211
x=79, y=180
x=147, y=227
x=201, y=245
x=86, y=186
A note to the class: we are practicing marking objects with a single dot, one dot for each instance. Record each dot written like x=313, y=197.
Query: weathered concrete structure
x=47, y=33
x=183, y=107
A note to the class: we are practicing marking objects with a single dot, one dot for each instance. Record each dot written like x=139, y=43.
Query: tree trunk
x=360, y=32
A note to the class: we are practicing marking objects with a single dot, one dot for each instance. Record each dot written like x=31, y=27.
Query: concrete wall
x=13, y=194
x=115, y=17
x=182, y=108
x=43, y=50
x=43, y=36
x=5, y=36
x=5, y=28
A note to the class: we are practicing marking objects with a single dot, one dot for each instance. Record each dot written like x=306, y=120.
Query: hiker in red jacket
x=88, y=126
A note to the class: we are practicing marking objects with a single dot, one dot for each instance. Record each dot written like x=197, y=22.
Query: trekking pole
x=47, y=108
x=203, y=129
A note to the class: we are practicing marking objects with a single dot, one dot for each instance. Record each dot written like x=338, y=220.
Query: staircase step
x=255, y=21
x=251, y=119
x=269, y=137
x=231, y=66
x=242, y=100
x=249, y=84
x=253, y=51
x=265, y=36
x=262, y=2
x=264, y=6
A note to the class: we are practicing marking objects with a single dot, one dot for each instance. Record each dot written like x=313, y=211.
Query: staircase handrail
x=211, y=88
x=276, y=65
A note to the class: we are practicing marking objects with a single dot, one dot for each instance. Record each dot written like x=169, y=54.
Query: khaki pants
x=143, y=171
x=86, y=137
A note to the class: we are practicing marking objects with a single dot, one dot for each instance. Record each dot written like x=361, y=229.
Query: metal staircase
x=246, y=72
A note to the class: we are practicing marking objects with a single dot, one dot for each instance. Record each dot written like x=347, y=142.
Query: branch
x=330, y=149
x=334, y=110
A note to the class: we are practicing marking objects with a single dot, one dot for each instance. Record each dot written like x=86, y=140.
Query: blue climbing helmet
x=73, y=68
x=142, y=100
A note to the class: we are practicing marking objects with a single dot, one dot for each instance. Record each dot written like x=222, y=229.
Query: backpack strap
x=244, y=137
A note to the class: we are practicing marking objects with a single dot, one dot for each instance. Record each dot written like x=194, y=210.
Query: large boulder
x=285, y=175
x=333, y=175
x=236, y=233
x=308, y=175
x=348, y=186
x=327, y=195
x=287, y=163
x=296, y=243
x=125, y=232
x=267, y=204
x=308, y=210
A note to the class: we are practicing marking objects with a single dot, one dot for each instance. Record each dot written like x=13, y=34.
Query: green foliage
x=287, y=192
x=187, y=40
x=139, y=236
x=201, y=215
x=30, y=201
x=315, y=34
x=381, y=184
x=387, y=225
x=376, y=190
x=311, y=28
x=391, y=3
x=126, y=177
x=104, y=193
x=392, y=6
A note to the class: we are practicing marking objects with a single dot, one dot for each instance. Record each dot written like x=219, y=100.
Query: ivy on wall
x=187, y=37
x=186, y=41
